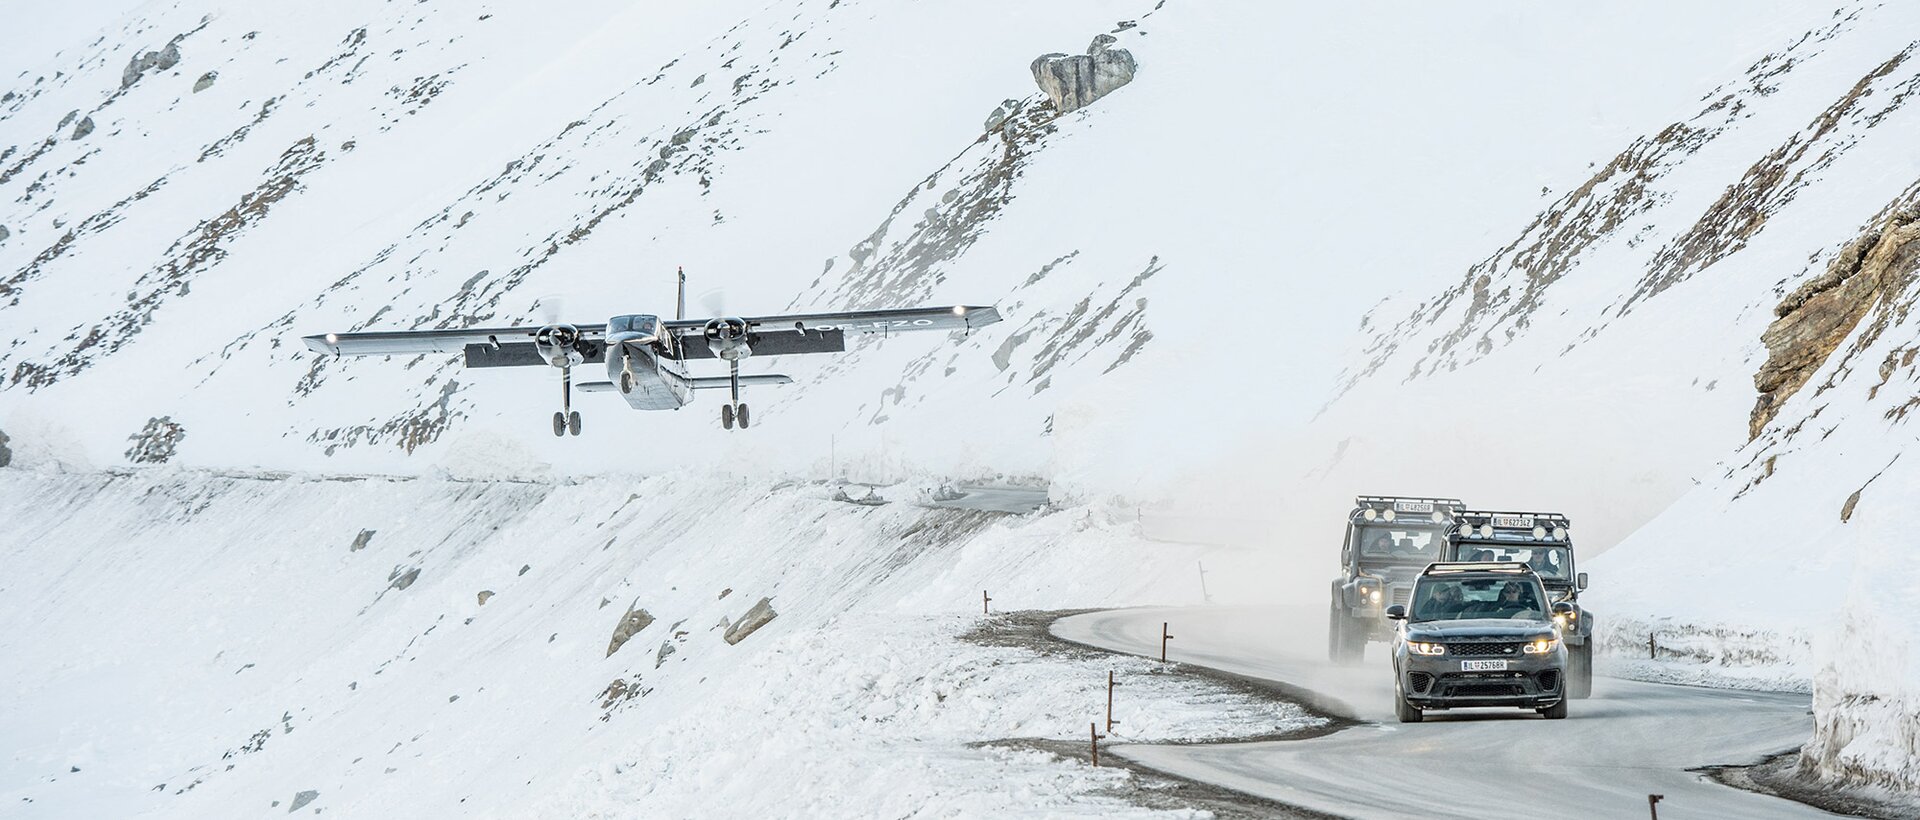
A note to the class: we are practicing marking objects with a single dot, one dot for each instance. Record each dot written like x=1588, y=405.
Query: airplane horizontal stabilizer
x=722, y=382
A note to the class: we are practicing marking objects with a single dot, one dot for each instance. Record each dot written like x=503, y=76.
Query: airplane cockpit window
x=637, y=323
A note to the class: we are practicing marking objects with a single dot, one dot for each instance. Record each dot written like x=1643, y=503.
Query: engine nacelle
x=727, y=338
x=559, y=346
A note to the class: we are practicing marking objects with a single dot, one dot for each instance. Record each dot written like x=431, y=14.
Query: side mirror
x=1396, y=612
x=1580, y=580
x=1564, y=608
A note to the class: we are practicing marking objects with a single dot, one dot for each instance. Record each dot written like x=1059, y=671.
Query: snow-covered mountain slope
x=1181, y=265
x=1734, y=290
x=1182, y=249
x=419, y=647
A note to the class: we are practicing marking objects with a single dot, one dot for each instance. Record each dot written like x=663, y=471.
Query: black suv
x=1389, y=540
x=1478, y=634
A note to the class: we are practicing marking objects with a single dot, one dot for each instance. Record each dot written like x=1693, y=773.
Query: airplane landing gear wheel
x=726, y=416
x=573, y=422
x=559, y=424
x=741, y=414
x=626, y=381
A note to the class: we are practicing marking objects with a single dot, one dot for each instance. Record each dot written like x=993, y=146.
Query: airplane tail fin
x=722, y=382
x=680, y=309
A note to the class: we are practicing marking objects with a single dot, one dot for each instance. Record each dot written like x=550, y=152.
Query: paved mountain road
x=1627, y=741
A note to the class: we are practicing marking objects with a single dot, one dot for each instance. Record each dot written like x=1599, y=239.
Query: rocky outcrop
x=155, y=443
x=4, y=233
x=757, y=617
x=150, y=61
x=360, y=541
x=402, y=577
x=630, y=624
x=1075, y=81
x=6, y=454
x=82, y=128
x=1819, y=315
x=205, y=82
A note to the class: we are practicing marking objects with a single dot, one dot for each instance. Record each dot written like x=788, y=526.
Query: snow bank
x=191, y=644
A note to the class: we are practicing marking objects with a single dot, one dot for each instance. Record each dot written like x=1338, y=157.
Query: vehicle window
x=1554, y=563
x=1449, y=599
x=1389, y=543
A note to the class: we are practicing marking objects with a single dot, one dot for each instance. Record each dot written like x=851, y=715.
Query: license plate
x=1513, y=522
x=1413, y=506
x=1483, y=666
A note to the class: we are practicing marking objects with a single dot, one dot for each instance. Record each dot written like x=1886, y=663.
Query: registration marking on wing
x=1513, y=522
x=1483, y=666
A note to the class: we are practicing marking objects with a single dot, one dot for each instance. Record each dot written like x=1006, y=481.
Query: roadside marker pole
x=1205, y=596
x=1110, y=685
x=984, y=600
x=1093, y=731
x=1652, y=648
x=1164, y=637
x=1651, y=809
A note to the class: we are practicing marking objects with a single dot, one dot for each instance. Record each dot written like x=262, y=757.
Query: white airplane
x=646, y=355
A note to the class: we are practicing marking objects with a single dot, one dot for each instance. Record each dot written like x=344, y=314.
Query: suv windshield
x=1550, y=563
x=1451, y=599
x=1386, y=542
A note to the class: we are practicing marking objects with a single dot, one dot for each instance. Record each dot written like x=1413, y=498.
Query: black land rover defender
x=1477, y=634
x=1544, y=543
x=1389, y=540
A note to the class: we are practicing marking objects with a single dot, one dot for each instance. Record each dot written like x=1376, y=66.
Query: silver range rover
x=1477, y=634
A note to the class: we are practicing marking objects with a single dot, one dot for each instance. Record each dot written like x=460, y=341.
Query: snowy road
x=1629, y=740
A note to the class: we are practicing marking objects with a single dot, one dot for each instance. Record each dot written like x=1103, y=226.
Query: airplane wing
x=886, y=322
x=391, y=342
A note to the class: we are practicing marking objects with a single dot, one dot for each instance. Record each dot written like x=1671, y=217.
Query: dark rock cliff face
x=1872, y=271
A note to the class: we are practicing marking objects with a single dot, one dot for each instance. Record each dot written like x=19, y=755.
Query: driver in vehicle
x=1515, y=598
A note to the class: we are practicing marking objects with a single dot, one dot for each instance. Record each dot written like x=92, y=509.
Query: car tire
x=1407, y=712
x=1580, y=671
x=1557, y=711
x=1337, y=634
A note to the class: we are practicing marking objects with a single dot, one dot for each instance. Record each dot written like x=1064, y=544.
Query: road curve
x=1629, y=740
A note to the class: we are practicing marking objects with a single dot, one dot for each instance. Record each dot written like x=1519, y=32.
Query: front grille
x=1421, y=682
x=1549, y=680
x=1483, y=650
x=1484, y=690
x=1401, y=595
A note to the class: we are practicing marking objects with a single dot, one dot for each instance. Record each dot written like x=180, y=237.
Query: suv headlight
x=1540, y=646
x=1424, y=648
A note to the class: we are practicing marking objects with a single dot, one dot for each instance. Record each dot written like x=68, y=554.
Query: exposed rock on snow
x=360, y=541
x=4, y=233
x=1075, y=81
x=1824, y=311
x=630, y=624
x=757, y=617
x=302, y=799
x=6, y=455
x=483, y=596
x=155, y=444
x=82, y=128
x=161, y=60
x=205, y=82
x=403, y=577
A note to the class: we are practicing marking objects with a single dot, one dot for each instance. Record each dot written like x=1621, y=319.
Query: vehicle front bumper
x=1439, y=682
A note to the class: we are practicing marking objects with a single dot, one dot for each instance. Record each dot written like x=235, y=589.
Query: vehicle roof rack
x=1364, y=500
x=1450, y=567
x=1489, y=515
